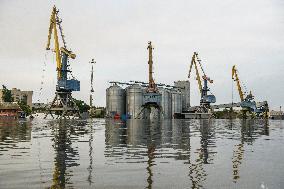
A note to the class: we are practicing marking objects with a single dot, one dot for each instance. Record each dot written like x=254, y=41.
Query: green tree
x=25, y=108
x=7, y=95
x=83, y=107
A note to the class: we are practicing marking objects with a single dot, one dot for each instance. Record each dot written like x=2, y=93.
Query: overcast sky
x=249, y=34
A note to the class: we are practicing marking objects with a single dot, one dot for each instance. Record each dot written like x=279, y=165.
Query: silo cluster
x=128, y=102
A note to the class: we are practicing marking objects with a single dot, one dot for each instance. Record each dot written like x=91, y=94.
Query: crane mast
x=152, y=85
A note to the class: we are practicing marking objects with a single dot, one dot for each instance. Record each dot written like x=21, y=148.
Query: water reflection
x=142, y=141
x=12, y=135
x=66, y=132
x=163, y=154
x=250, y=130
x=90, y=143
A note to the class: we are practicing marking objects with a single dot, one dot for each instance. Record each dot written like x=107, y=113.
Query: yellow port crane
x=205, y=98
x=54, y=21
x=63, y=104
x=246, y=100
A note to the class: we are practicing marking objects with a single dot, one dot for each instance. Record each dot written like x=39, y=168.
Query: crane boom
x=52, y=26
x=235, y=77
x=54, y=20
x=196, y=70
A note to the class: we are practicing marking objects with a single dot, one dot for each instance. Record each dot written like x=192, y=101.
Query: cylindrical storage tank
x=134, y=101
x=166, y=103
x=115, y=101
x=176, y=101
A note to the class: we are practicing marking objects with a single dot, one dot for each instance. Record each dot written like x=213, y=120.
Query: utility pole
x=92, y=87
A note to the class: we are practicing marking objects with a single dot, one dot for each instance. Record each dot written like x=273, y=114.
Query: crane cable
x=42, y=76
x=58, y=21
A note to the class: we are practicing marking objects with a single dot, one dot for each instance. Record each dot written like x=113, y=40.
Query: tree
x=7, y=95
x=25, y=108
x=83, y=107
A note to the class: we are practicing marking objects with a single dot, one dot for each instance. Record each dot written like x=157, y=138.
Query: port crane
x=152, y=98
x=206, y=99
x=247, y=99
x=63, y=104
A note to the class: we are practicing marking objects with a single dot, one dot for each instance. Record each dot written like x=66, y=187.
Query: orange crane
x=152, y=86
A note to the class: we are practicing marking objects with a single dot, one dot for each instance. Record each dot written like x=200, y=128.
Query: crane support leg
x=63, y=106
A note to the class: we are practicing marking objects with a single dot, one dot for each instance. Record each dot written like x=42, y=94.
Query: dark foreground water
x=141, y=154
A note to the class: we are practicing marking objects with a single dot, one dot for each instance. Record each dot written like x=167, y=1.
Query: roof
x=9, y=106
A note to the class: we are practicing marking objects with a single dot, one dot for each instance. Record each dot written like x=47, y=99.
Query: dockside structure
x=127, y=99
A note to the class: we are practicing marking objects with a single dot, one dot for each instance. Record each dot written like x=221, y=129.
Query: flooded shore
x=103, y=153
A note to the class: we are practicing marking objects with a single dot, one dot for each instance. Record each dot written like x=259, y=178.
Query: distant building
x=19, y=96
x=185, y=92
x=276, y=114
x=10, y=109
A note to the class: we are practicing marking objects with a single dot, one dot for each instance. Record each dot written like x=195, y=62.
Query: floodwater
x=103, y=153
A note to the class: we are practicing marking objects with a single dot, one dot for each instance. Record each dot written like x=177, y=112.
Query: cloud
x=115, y=33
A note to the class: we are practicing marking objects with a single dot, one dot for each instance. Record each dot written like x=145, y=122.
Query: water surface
x=103, y=153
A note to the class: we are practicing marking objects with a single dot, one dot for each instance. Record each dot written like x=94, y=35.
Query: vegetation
x=225, y=114
x=99, y=112
x=7, y=95
x=83, y=107
x=25, y=108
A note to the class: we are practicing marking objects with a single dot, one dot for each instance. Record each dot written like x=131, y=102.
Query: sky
x=248, y=34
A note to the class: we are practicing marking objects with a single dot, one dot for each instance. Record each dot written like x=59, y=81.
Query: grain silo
x=166, y=103
x=176, y=102
x=115, y=101
x=134, y=101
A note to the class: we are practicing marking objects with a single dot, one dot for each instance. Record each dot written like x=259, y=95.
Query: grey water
x=103, y=153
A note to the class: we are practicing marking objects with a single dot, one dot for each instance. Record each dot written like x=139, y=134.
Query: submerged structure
x=63, y=105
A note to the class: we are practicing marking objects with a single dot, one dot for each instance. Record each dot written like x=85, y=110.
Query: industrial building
x=184, y=87
x=19, y=96
x=128, y=100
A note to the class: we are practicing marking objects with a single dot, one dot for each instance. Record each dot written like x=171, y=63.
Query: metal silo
x=166, y=103
x=176, y=101
x=115, y=101
x=134, y=101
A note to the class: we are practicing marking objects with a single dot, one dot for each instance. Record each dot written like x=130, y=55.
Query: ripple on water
x=141, y=154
